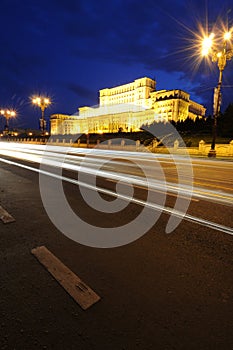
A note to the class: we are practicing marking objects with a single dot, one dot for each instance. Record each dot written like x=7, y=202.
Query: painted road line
x=5, y=216
x=79, y=291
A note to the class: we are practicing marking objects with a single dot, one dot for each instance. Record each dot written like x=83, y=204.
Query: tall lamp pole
x=219, y=53
x=43, y=103
x=8, y=114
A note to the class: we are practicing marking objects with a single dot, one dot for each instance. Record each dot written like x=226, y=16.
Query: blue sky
x=71, y=49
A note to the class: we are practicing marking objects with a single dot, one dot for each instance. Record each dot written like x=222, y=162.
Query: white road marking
x=77, y=289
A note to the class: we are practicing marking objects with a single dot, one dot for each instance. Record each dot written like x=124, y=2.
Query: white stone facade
x=127, y=107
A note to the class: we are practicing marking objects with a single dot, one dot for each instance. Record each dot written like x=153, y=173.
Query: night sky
x=69, y=49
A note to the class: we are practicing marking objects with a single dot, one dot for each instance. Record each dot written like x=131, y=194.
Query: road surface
x=161, y=291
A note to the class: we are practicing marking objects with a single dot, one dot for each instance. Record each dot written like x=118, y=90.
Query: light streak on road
x=73, y=162
x=153, y=206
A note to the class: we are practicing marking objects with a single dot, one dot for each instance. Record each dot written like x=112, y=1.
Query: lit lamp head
x=11, y=113
x=227, y=36
x=47, y=101
x=41, y=101
x=8, y=113
x=207, y=44
x=36, y=101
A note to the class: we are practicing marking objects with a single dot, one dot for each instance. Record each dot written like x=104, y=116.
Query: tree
x=225, y=122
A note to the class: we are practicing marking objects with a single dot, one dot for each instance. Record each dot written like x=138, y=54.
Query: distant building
x=127, y=107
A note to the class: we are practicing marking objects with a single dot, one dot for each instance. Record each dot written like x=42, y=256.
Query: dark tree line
x=225, y=122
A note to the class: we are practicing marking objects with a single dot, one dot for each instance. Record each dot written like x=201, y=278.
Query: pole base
x=212, y=153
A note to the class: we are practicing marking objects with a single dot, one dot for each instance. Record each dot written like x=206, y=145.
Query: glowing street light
x=43, y=103
x=8, y=114
x=219, y=51
x=207, y=44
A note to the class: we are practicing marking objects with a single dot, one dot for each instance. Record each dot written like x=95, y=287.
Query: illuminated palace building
x=128, y=107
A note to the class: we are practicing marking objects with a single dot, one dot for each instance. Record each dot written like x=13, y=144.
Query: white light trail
x=140, y=202
x=73, y=163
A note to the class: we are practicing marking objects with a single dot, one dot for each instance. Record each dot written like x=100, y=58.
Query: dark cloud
x=81, y=91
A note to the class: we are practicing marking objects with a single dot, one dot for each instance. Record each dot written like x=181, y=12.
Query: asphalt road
x=162, y=291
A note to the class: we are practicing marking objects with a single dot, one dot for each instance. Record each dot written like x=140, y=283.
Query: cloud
x=81, y=91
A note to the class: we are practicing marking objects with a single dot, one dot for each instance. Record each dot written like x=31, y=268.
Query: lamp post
x=88, y=138
x=43, y=103
x=8, y=114
x=220, y=52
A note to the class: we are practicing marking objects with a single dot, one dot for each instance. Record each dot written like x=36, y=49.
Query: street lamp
x=43, y=103
x=220, y=52
x=87, y=138
x=7, y=113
